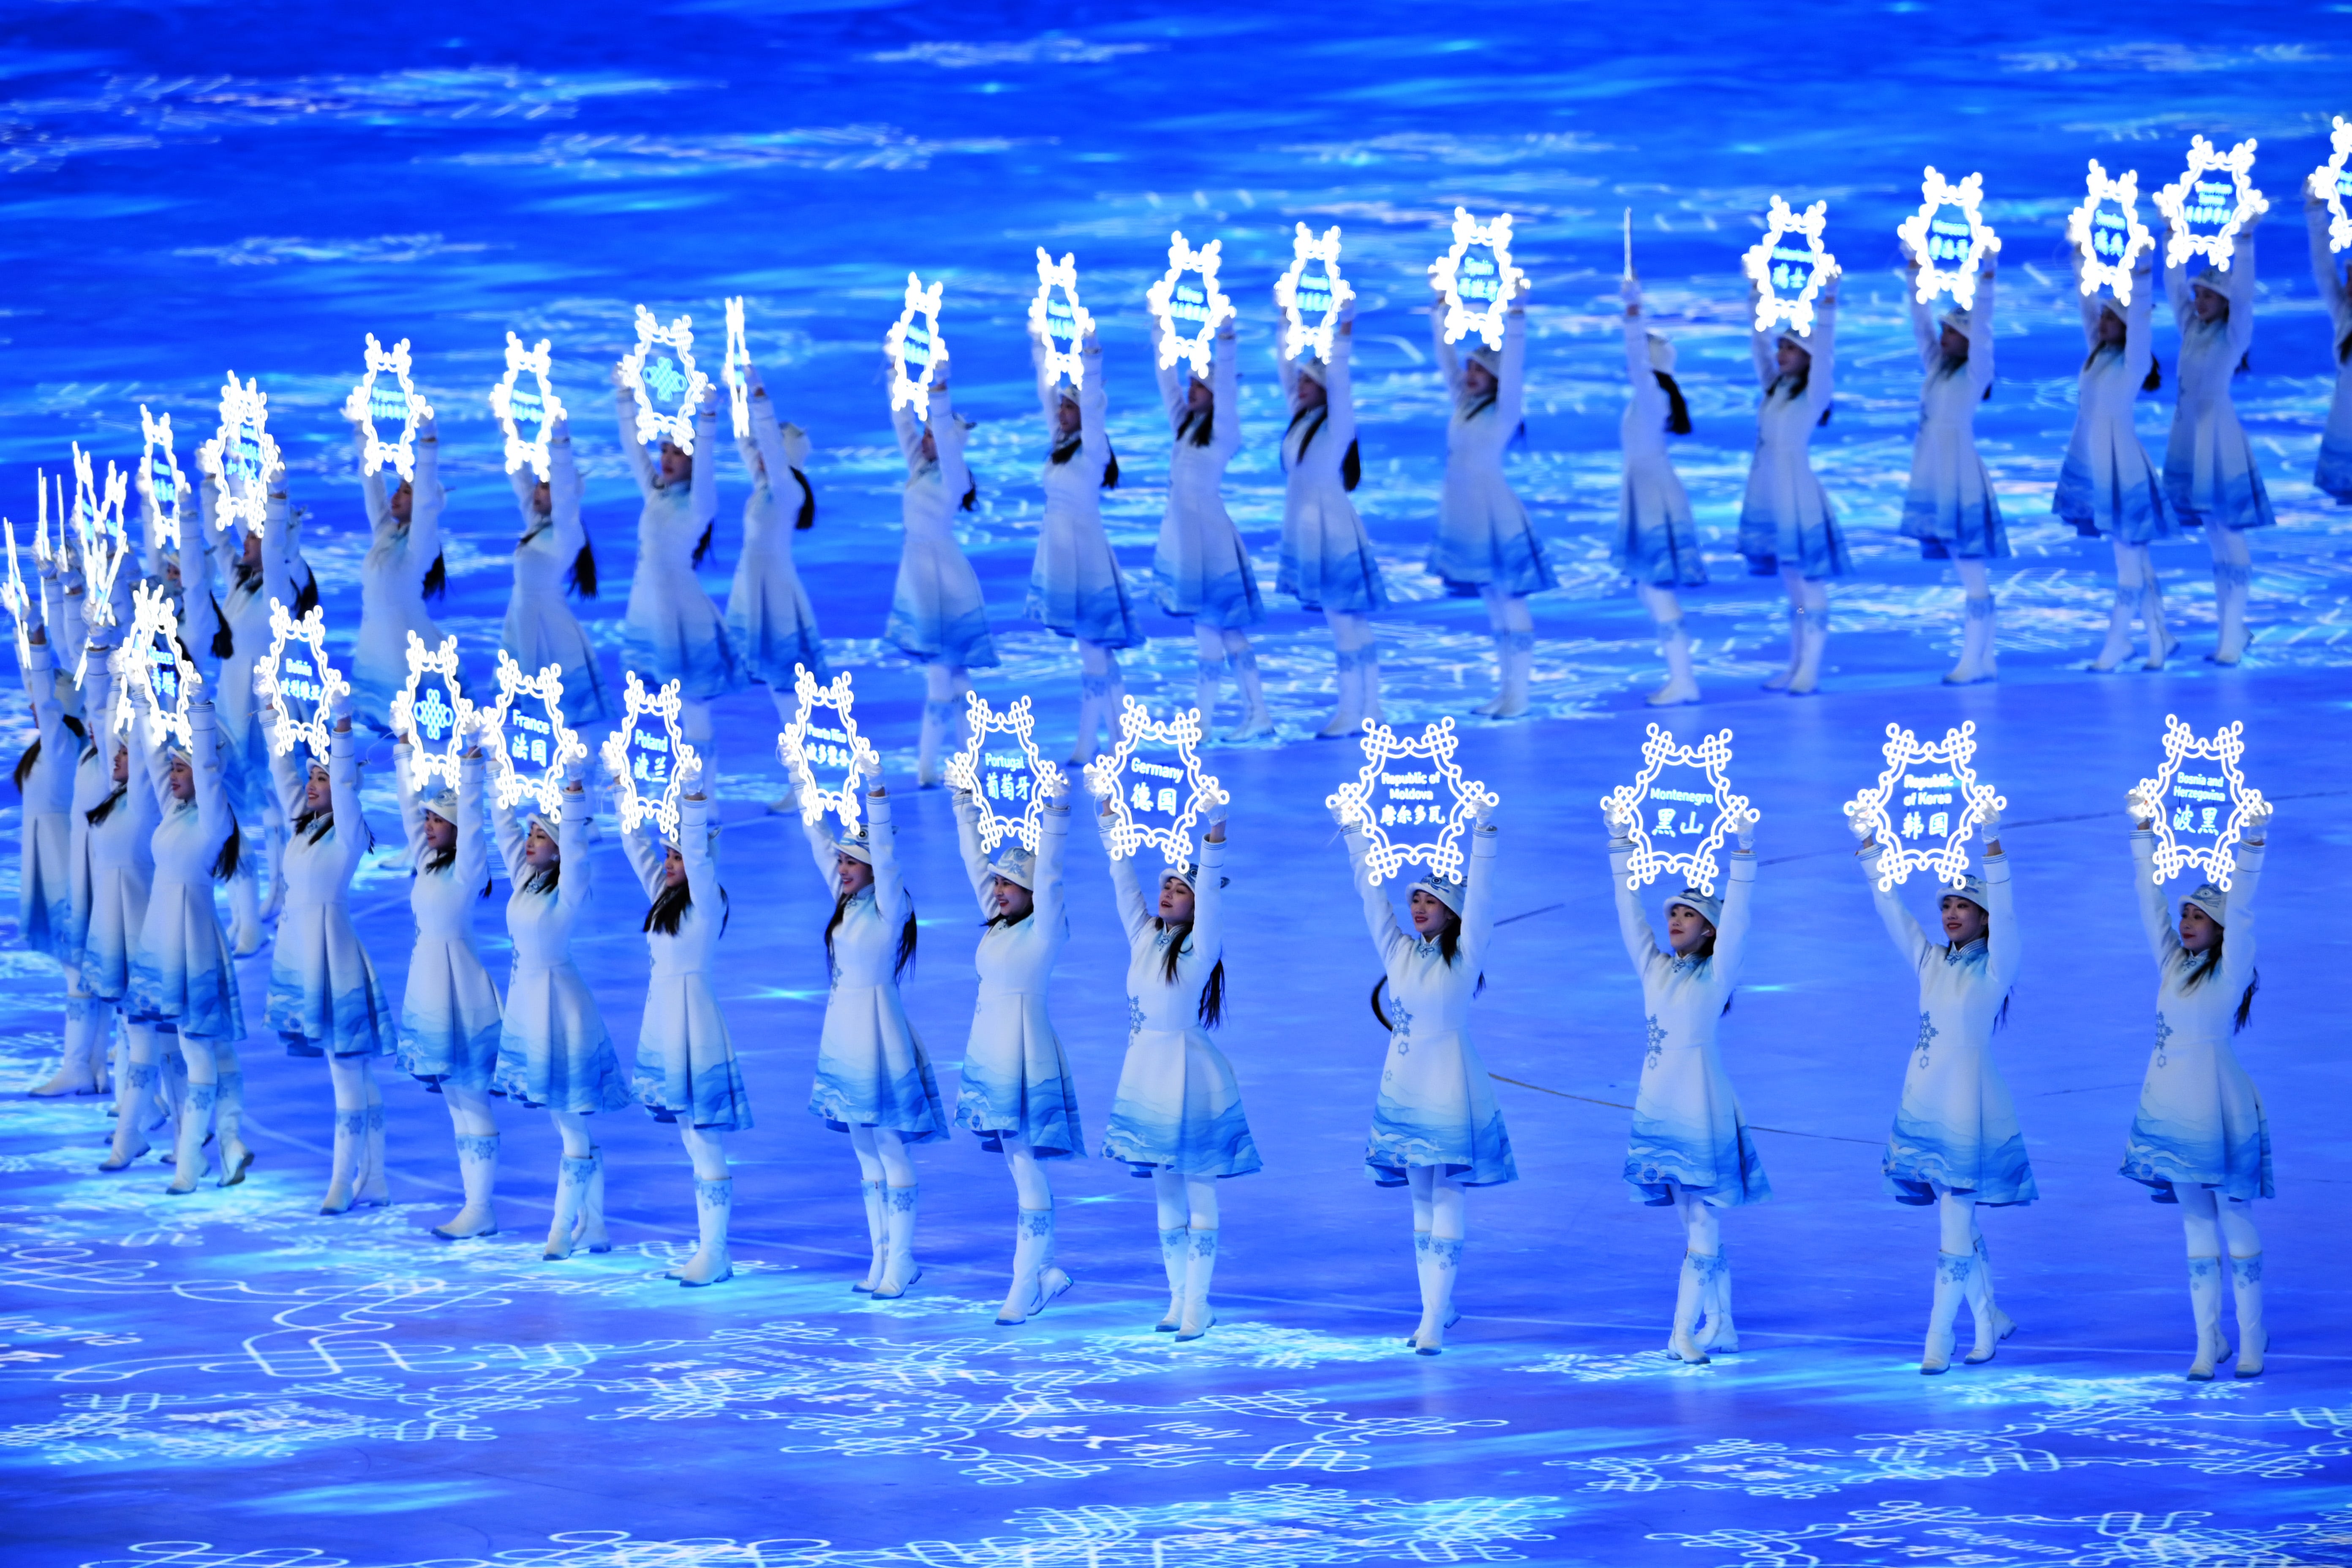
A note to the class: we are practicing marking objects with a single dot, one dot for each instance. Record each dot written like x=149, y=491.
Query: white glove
x=1216, y=813
x=2138, y=812
x=1483, y=817
x=2258, y=822
x=1746, y=832
x=1859, y=826
x=1340, y=815
x=1618, y=824
x=339, y=704
x=1990, y=821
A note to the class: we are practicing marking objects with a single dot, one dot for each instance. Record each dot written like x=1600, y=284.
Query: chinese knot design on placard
x=1654, y=828
x=648, y=757
x=1477, y=278
x=1925, y=806
x=2184, y=802
x=1788, y=279
x=1137, y=787
x=2106, y=233
x=1009, y=778
x=811, y=746
x=432, y=711
x=533, y=745
x=1409, y=783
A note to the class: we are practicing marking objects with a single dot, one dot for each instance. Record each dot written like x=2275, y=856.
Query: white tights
x=469, y=1113
x=1185, y=1202
x=1956, y=1218
x=1976, y=578
x=2208, y=1224
x=1702, y=1228
x=1505, y=613
x=1437, y=1207
x=573, y=1128
x=693, y=719
x=354, y=1078
x=882, y=1156
x=1030, y=1184
x=706, y=1147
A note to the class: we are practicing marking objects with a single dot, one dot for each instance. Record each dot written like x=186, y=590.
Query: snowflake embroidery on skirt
x=1657, y=1041
x=2163, y=1033
x=1134, y=1017
x=1927, y=1032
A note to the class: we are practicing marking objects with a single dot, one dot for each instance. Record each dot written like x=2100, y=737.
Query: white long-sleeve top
x=2111, y=377
x=246, y=604
x=2202, y=1018
x=318, y=867
x=1315, y=480
x=189, y=834
x=671, y=523
x=1683, y=997
x=2209, y=352
x=865, y=943
x=1948, y=403
x=771, y=511
x=391, y=576
x=550, y=539
x=1960, y=989
x=1785, y=421
x=1016, y=961
x=1642, y=428
x=695, y=947
x=541, y=925
x=1155, y=1003
x=2327, y=272
x=49, y=786
x=934, y=490
x=443, y=901
x=1074, y=489
x=1196, y=474
x=1428, y=998
x=1474, y=442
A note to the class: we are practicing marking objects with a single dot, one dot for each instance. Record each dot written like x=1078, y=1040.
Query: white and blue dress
x=1957, y=1126
x=1950, y=508
x=1486, y=543
x=449, y=1013
x=685, y=1058
x=181, y=978
x=1327, y=558
x=540, y=628
x=769, y=618
x=1436, y=1105
x=2109, y=484
x=392, y=581
x=1200, y=568
x=2200, y=1120
x=1015, y=1080
x=1785, y=520
x=1689, y=1132
x=672, y=631
x=323, y=995
x=1657, y=542
x=1075, y=586
x=936, y=614
x=2333, y=474
x=2211, y=475
x=871, y=1068
x=45, y=907
x=113, y=831
x=279, y=575
x=1179, y=1107
x=554, y=1053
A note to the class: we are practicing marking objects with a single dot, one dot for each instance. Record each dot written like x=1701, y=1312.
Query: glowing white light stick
x=668, y=390
x=914, y=341
x=2106, y=233
x=1941, y=805
x=1394, y=792
x=532, y=745
x=1949, y=250
x=1310, y=301
x=821, y=743
x=161, y=467
x=297, y=683
x=534, y=407
x=734, y=368
x=1009, y=782
x=1789, y=277
x=151, y=658
x=1061, y=324
x=243, y=455
x=432, y=710
x=1140, y=791
x=2212, y=200
x=1709, y=817
x=1188, y=305
x=1477, y=277
x=2208, y=804
x=373, y=404
x=19, y=601
x=648, y=757
x=2331, y=184
x=104, y=544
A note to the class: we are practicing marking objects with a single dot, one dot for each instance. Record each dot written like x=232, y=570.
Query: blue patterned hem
x=600, y=1086
x=1821, y=551
x=1983, y=537
x=914, y=1112
x=709, y=667
x=1348, y=585
x=770, y=660
x=1221, y=1147
x=2163, y=1160
x=719, y=1101
x=1515, y=564
x=2245, y=504
x=2333, y=474
x=2133, y=513
x=1228, y=601
x=1102, y=617
x=1726, y=1175
x=1048, y=1122
x=963, y=641
x=1916, y=1163
x=438, y=1054
x=1396, y=1143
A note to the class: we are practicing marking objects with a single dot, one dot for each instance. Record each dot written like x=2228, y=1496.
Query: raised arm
x=511, y=830
x=1093, y=409
x=2325, y=272
x=429, y=499
x=1380, y=910
x=1763, y=347
x=1127, y=896
x=473, y=864
x=889, y=887
x=1339, y=389
x=280, y=550
x=1925, y=336
x=1048, y=899
x=1511, y=387
x=2004, y=946
x=564, y=489
x=641, y=468
x=820, y=851
x=646, y=853
x=1981, y=347
x=412, y=808
x=343, y=783
x=149, y=752
x=768, y=436
x=578, y=883
x=2091, y=305
x=1478, y=897
x=214, y=814
x=1449, y=361
x=2180, y=293
x=702, y=493
x=1224, y=391
x=947, y=438
x=976, y=869
x=1632, y=922
x=2238, y=950
x=694, y=848
x=1285, y=369
x=288, y=769
x=909, y=428
x=372, y=492
x=1209, y=905
x=2139, y=322
x=1175, y=395
x=2240, y=283
x=1909, y=940
x=1049, y=392
x=1739, y=914
x=1821, y=381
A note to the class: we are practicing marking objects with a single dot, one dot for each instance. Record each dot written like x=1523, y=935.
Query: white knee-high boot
x=1200, y=1269
x=1681, y=685
x=2233, y=583
x=1437, y=1260
x=1992, y=1325
x=571, y=1197
x=1258, y=721
x=477, y=1169
x=1690, y=1295
x=2205, y=1303
x=2160, y=640
x=1033, y=1241
x=1174, y=1251
x=1718, y=1334
x=877, y=1236
x=2246, y=1281
x=714, y=1203
x=2118, y=648
x=137, y=1086
x=902, y=1270
x=196, y=1131
x=1347, y=716
x=592, y=1205
x=1976, y=661
x=1953, y=1273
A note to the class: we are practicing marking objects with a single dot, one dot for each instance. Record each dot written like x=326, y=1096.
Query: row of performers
x=1485, y=543
x=129, y=861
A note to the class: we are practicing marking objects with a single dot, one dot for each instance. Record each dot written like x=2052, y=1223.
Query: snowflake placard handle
x=1924, y=806
x=1010, y=780
x=2199, y=794
x=1656, y=830
x=823, y=740
x=1409, y=783
x=1137, y=787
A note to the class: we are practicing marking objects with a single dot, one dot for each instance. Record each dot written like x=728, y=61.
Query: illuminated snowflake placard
x=1155, y=802
x=916, y=348
x=527, y=412
x=1311, y=293
x=2106, y=233
x=530, y=745
x=1788, y=267
x=432, y=710
x=1188, y=305
x=1010, y=779
x=14, y=594
x=735, y=370
x=649, y=759
x=1056, y=319
x=1949, y=238
x=244, y=455
x=161, y=467
x=661, y=372
x=296, y=682
x=2331, y=184
x=101, y=539
x=377, y=405
x=1411, y=799
x=152, y=658
x=1665, y=812
x=1941, y=803
x=1477, y=278
x=821, y=748
x=2199, y=810
x=2212, y=200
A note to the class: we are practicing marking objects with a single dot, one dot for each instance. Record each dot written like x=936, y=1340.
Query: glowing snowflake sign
x=432, y=710
x=376, y=404
x=527, y=412
x=1941, y=804
x=532, y=745
x=1311, y=293
x=161, y=467
x=1788, y=267
x=1057, y=319
x=1009, y=778
x=1188, y=305
x=152, y=658
x=16, y=597
x=735, y=368
x=821, y=748
x=2331, y=184
x=296, y=683
x=1660, y=812
x=1407, y=784
x=2212, y=201
x=661, y=372
x=244, y=455
x=2106, y=233
x=1477, y=278
x=1154, y=804
x=2199, y=811
x=101, y=537
x=916, y=348
x=1949, y=238
x=648, y=758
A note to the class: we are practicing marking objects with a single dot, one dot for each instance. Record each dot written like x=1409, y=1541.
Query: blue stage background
x=229, y=1381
